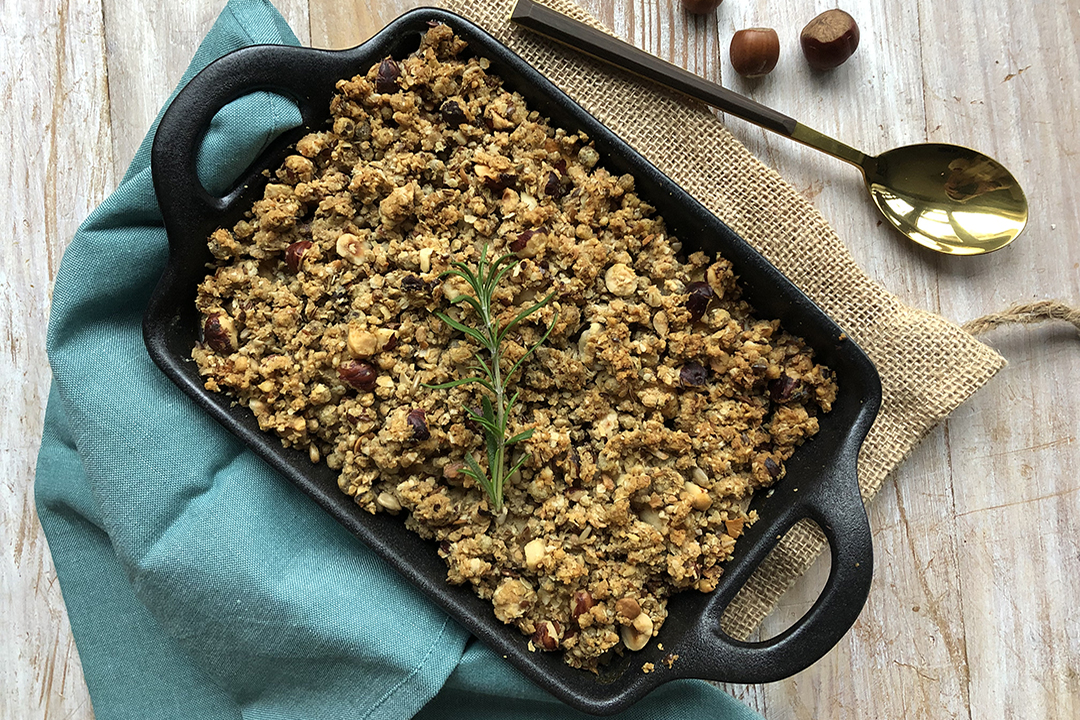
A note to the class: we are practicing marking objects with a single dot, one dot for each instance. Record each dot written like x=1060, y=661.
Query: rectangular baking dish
x=821, y=481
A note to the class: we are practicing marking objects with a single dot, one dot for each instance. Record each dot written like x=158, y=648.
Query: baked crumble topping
x=659, y=403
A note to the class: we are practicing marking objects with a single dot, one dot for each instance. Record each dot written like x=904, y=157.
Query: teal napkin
x=200, y=583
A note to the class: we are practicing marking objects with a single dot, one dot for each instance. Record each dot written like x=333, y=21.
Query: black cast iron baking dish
x=821, y=478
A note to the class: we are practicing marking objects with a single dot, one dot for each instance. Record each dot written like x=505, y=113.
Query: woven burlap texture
x=927, y=364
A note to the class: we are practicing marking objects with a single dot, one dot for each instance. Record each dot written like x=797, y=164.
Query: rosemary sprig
x=494, y=417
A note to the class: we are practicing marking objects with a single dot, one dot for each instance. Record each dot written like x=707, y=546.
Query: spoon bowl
x=946, y=197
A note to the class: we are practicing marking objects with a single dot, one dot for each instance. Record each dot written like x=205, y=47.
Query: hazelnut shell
x=700, y=7
x=754, y=51
x=829, y=39
x=358, y=374
x=386, y=79
x=294, y=254
x=418, y=422
x=219, y=332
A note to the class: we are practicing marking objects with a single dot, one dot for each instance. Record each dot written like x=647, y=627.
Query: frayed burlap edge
x=928, y=365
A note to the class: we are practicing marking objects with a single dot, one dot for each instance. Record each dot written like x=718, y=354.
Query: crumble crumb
x=659, y=403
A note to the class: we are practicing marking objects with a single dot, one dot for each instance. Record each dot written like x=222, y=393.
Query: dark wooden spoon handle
x=611, y=50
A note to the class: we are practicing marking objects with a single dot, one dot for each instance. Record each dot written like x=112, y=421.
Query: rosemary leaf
x=520, y=436
x=494, y=418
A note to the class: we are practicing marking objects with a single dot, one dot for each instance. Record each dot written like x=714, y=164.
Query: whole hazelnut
x=219, y=331
x=358, y=374
x=829, y=39
x=754, y=51
x=700, y=7
x=386, y=80
x=295, y=253
x=418, y=422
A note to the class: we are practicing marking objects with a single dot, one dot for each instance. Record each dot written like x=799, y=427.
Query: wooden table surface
x=973, y=613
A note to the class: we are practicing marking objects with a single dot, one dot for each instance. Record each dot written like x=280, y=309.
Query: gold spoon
x=945, y=197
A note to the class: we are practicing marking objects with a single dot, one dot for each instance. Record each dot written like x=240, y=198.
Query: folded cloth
x=200, y=583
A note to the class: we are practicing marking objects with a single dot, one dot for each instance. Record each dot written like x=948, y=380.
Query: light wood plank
x=1012, y=88
x=57, y=156
x=977, y=558
x=149, y=46
x=67, y=149
x=848, y=103
x=906, y=650
x=337, y=25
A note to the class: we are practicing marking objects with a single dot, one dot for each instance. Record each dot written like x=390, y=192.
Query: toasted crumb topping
x=658, y=404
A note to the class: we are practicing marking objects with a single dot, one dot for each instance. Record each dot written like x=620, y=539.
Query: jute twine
x=1026, y=313
x=928, y=365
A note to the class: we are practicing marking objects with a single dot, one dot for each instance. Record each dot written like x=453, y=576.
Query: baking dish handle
x=300, y=74
x=838, y=509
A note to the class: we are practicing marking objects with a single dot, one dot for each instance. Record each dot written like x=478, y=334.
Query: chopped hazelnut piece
x=362, y=344
x=389, y=502
x=628, y=608
x=534, y=553
x=219, y=330
x=581, y=603
x=352, y=248
x=360, y=375
x=620, y=280
x=637, y=635
x=294, y=254
x=547, y=635
x=699, y=499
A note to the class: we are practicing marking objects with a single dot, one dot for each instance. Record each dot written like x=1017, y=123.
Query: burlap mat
x=928, y=365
